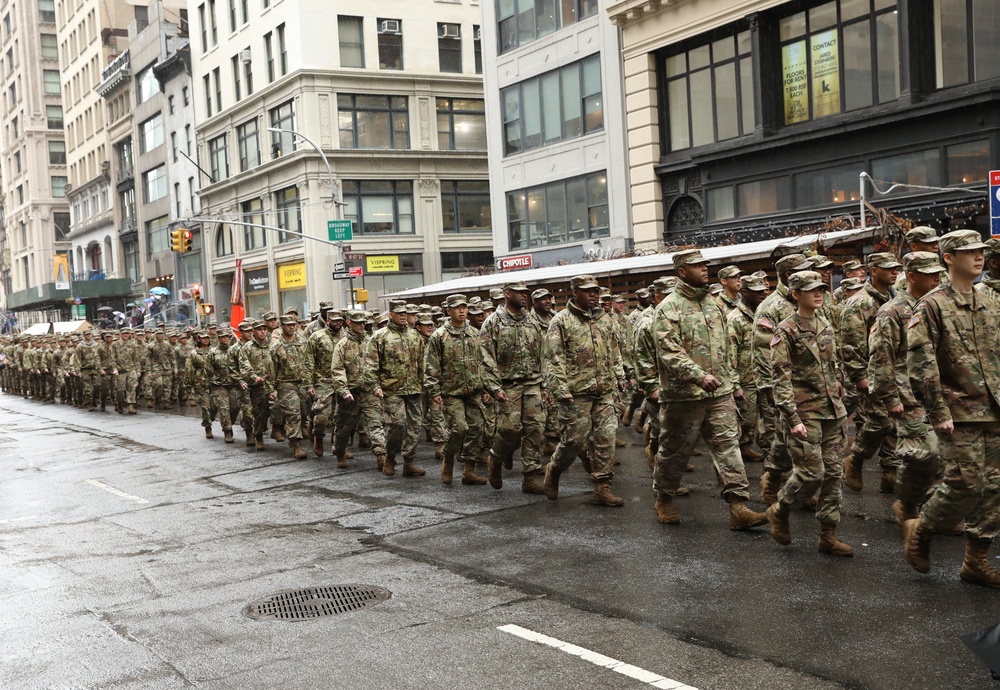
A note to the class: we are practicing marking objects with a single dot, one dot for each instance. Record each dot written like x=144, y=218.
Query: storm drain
x=315, y=602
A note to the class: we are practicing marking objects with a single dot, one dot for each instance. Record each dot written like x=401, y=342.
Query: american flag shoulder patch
x=775, y=340
x=767, y=323
x=914, y=320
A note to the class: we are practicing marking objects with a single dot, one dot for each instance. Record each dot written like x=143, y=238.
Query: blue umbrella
x=159, y=291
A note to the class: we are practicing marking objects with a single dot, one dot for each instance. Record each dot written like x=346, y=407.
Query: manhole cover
x=315, y=602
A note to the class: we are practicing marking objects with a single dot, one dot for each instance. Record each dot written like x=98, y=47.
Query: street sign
x=339, y=230
x=511, y=263
x=355, y=272
x=995, y=203
x=342, y=275
x=354, y=256
x=339, y=267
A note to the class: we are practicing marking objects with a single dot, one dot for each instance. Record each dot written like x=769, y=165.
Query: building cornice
x=626, y=11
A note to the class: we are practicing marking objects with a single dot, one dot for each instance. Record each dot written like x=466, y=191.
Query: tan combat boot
x=494, y=471
x=741, y=517
x=852, y=473
x=131, y=408
x=975, y=569
x=650, y=458
x=619, y=443
x=389, y=465
x=829, y=544
x=250, y=442
x=639, y=419
x=777, y=516
x=227, y=435
x=278, y=434
x=626, y=419
x=551, y=485
x=750, y=455
x=439, y=451
x=665, y=511
x=904, y=511
x=769, y=487
x=298, y=452
x=348, y=454
x=603, y=496
x=411, y=470
x=530, y=483
x=380, y=461
x=917, y=545
x=208, y=432
x=258, y=441
x=469, y=476
x=887, y=482
x=318, y=446
x=447, y=467
x=342, y=461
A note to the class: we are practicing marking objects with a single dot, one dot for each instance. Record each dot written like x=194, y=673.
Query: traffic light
x=180, y=240
x=206, y=309
x=360, y=296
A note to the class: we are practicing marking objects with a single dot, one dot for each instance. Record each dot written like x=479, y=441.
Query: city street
x=129, y=547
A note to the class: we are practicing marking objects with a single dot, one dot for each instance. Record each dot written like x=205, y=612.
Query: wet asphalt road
x=130, y=545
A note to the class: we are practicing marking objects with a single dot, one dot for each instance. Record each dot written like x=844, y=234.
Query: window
x=390, y=44
x=379, y=207
x=146, y=85
x=968, y=163
x=126, y=202
x=213, y=23
x=124, y=151
x=224, y=241
x=522, y=21
x=232, y=16
x=17, y=128
x=269, y=57
x=59, y=186
x=207, y=79
x=47, y=11
x=204, y=28
x=57, y=152
x=50, y=48
x=461, y=124
x=966, y=41
x=60, y=223
x=558, y=105
x=187, y=95
x=158, y=235
x=218, y=153
x=248, y=74
x=720, y=203
x=177, y=200
x=187, y=139
x=173, y=146
x=827, y=186
x=282, y=143
x=170, y=105
x=50, y=78
x=919, y=167
x=465, y=206
x=289, y=213
x=236, y=78
x=192, y=196
x=373, y=122
x=130, y=251
x=352, y=41
x=218, y=89
x=463, y=262
x=17, y=161
x=477, y=46
x=154, y=183
x=839, y=56
x=249, y=145
x=54, y=116
x=710, y=92
x=151, y=133
x=246, y=10
x=253, y=212
x=282, y=50
x=566, y=211
x=762, y=196
x=450, y=48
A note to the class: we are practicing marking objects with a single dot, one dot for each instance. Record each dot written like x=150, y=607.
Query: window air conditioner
x=245, y=55
x=447, y=31
x=389, y=26
x=477, y=35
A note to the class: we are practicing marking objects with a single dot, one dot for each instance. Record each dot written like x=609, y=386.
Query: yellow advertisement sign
x=795, y=78
x=292, y=276
x=825, y=58
x=382, y=264
x=60, y=271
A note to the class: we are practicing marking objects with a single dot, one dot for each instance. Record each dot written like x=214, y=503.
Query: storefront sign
x=382, y=264
x=825, y=60
x=60, y=265
x=258, y=281
x=995, y=203
x=292, y=276
x=512, y=263
x=796, y=82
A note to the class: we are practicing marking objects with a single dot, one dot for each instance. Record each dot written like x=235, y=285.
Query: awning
x=717, y=255
x=47, y=327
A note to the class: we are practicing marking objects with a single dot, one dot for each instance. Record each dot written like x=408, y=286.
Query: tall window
x=253, y=212
x=154, y=184
x=207, y=80
x=379, y=207
x=566, y=211
x=126, y=202
x=49, y=46
x=60, y=221
x=217, y=77
x=213, y=23
x=47, y=11
x=269, y=56
x=59, y=186
x=465, y=206
x=282, y=50
x=477, y=46
x=373, y=122
x=710, y=92
x=232, y=16
x=289, y=213
x=204, y=27
x=839, y=56
x=158, y=235
x=390, y=44
x=50, y=79
x=218, y=153
x=450, y=48
x=249, y=145
x=461, y=124
x=352, y=41
x=224, y=241
x=237, y=90
x=151, y=133
x=522, y=21
x=54, y=116
x=248, y=74
x=966, y=41
x=558, y=105
x=130, y=251
x=57, y=152
x=282, y=143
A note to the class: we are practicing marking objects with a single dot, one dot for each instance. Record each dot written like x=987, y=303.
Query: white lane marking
x=117, y=492
x=640, y=674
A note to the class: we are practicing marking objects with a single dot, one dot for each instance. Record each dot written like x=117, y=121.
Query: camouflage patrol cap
x=424, y=307
x=729, y=272
x=852, y=265
x=665, y=285
x=619, y=299
x=689, y=257
x=269, y=315
x=325, y=305
x=852, y=283
x=922, y=233
x=289, y=320
x=605, y=294
x=397, y=306
x=497, y=293
x=760, y=274
x=225, y=333
x=961, y=240
x=715, y=289
x=245, y=327
x=805, y=265
x=788, y=262
x=425, y=320
x=752, y=282
x=923, y=262
x=820, y=261
x=292, y=310
x=456, y=300
x=540, y=293
x=806, y=280
x=884, y=260
x=203, y=334
x=412, y=309
x=108, y=334
x=334, y=315
x=383, y=318
x=516, y=285
x=356, y=317
x=642, y=293
x=992, y=248
x=583, y=282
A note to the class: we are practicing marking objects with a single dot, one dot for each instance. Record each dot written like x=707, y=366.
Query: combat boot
x=627, y=417
x=318, y=447
x=551, y=485
x=411, y=470
x=278, y=434
x=829, y=544
x=681, y=490
x=208, y=432
x=550, y=447
x=364, y=441
x=149, y=403
x=447, y=467
x=469, y=476
x=530, y=483
x=439, y=451
x=904, y=511
x=665, y=511
x=639, y=420
x=741, y=517
x=250, y=442
x=494, y=472
x=777, y=516
x=298, y=452
x=259, y=441
x=619, y=443
x=380, y=461
x=342, y=460
x=975, y=569
x=227, y=435
x=887, y=482
x=90, y=407
x=389, y=465
x=131, y=408
x=348, y=454
x=603, y=496
x=852, y=473
x=917, y=545
x=769, y=487
x=650, y=458
x=750, y=455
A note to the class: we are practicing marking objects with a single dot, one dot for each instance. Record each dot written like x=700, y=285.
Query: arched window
x=223, y=240
x=108, y=255
x=94, y=257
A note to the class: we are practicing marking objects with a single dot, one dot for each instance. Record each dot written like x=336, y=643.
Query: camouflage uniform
x=162, y=363
x=126, y=356
x=551, y=432
x=319, y=352
x=222, y=383
x=775, y=308
x=239, y=393
x=109, y=382
x=740, y=322
x=89, y=358
x=198, y=378
x=990, y=288
x=347, y=372
x=452, y=363
x=257, y=371
x=395, y=363
x=292, y=376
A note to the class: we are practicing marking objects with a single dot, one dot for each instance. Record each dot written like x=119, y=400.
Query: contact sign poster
x=796, y=82
x=825, y=59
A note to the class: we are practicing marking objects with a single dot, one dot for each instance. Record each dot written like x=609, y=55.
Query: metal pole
x=861, y=181
x=326, y=162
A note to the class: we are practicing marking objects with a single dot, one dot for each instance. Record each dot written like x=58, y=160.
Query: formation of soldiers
x=907, y=346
